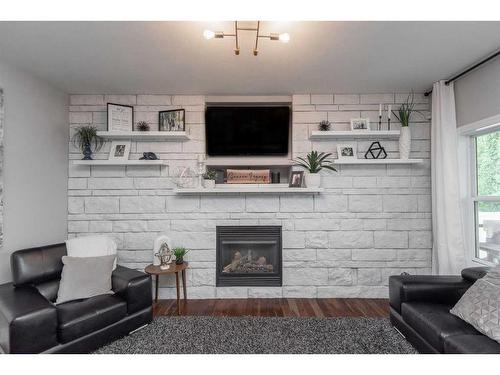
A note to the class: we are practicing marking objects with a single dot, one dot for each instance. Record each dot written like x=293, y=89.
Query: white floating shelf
x=250, y=189
x=146, y=136
x=120, y=162
x=317, y=135
x=378, y=161
x=248, y=161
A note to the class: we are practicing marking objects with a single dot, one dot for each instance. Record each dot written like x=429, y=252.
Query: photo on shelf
x=360, y=124
x=296, y=179
x=347, y=151
x=171, y=121
x=120, y=117
x=120, y=150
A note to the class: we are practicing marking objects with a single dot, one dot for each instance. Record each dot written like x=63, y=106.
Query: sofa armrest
x=133, y=286
x=28, y=321
x=434, y=289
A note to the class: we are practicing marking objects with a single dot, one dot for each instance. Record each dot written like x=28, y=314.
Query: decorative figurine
x=375, y=151
x=165, y=256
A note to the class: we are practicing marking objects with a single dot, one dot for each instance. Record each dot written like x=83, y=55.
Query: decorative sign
x=375, y=151
x=238, y=176
x=120, y=118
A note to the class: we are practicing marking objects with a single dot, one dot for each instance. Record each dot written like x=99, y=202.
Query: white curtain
x=448, y=249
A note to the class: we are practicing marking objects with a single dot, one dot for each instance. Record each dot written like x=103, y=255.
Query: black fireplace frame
x=251, y=279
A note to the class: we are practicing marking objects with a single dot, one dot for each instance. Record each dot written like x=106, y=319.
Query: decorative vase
x=87, y=152
x=209, y=184
x=404, y=142
x=313, y=180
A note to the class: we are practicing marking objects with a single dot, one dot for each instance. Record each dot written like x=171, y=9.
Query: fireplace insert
x=249, y=256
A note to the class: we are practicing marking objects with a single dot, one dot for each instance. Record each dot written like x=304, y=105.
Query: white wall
x=477, y=95
x=372, y=221
x=35, y=164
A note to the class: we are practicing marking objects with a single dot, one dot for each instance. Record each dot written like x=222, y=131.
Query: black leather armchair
x=30, y=322
x=420, y=310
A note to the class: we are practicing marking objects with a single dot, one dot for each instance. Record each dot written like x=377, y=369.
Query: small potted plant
x=179, y=253
x=87, y=140
x=313, y=163
x=143, y=126
x=324, y=125
x=403, y=115
x=209, y=179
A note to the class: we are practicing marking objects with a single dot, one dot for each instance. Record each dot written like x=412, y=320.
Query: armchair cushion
x=28, y=322
x=133, y=286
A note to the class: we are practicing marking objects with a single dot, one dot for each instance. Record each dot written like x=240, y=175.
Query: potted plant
x=87, y=140
x=179, y=253
x=324, y=125
x=313, y=163
x=209, y=179
x=143, y=126
x=403, y=115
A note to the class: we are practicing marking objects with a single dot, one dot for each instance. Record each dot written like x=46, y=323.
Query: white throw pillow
x=480, y=305
x=91, y=246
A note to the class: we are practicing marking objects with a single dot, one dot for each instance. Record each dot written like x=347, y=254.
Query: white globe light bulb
x=208, y=34
x=285, y=37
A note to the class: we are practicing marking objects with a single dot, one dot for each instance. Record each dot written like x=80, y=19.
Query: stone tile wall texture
x=371, y=222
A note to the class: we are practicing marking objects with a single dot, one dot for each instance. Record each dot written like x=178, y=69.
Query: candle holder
x=379, y=122
x=388, y=123
x=201, y=170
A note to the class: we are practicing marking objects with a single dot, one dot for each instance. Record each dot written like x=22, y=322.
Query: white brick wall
x=371, y=222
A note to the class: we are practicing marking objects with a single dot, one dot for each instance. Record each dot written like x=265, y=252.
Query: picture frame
x=296, y=179
x=347, y=151
x=172, y=120
x=120, y=117
x=360, y=124
x=120, y=150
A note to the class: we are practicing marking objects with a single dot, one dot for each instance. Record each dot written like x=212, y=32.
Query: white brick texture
x=369, y=223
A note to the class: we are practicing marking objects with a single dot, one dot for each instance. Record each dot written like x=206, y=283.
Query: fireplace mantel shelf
x=249, y=189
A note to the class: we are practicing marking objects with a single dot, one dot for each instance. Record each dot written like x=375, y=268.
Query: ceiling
x=173, y=57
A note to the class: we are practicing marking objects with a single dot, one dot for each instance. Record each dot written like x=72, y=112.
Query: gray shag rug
x=256, y=335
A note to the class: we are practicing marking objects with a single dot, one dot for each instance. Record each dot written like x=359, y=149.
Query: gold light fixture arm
x=237, y=48
x=256, y=50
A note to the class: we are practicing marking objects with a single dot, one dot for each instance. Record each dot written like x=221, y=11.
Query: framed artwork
x=120, y=118
x=120, y=150
x=171, y=121
x=347, y=151
x=296, y=179
x=360, y=124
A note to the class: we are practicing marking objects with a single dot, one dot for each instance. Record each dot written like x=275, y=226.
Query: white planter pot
x=209, y=184
x=405, y=143
x=313, y=180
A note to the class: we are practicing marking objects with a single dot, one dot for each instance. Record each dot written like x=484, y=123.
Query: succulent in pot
x=324, y=125
x=179, y=253
x=313, y=163
x=209, y=178
x=87, y=140
x=143, y=126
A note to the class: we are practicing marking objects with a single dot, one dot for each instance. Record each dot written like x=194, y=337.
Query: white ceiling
x=173, y=57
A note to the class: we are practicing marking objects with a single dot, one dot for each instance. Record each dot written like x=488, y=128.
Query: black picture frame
x=118, y=105
x=296, y=179
x=161, y=114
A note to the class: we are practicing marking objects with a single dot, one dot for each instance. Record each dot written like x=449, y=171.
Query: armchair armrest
x=133, y=286
x=434, y=289
x=28, y=321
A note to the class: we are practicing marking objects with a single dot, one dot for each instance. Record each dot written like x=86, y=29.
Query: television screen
x=245, y=131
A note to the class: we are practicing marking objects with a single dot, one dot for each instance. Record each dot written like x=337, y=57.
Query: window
x=485, y=197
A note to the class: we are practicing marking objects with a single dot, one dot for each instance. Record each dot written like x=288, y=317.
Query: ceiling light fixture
x=209, y=34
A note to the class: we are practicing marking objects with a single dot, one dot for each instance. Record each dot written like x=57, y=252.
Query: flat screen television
x=247, y=131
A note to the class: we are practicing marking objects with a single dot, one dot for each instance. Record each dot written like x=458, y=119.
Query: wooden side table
x=174, y=268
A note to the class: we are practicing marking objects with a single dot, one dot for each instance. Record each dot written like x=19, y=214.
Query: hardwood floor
x=301, y=307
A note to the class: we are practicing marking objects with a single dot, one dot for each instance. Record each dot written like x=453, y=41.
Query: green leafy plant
x=210, y=175
x=324, y=125
x=406, y=110
x=143, y=126
x=87, y=136
x=179, y=253
x=315, y=161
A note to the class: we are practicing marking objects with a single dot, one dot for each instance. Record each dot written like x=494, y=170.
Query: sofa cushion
x=434, y=322
x=91, y=246
x=79, y=318
x=473, y=274
x=85, y=277
x=471, y=344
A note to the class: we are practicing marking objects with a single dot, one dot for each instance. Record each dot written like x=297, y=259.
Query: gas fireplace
x=249, y=256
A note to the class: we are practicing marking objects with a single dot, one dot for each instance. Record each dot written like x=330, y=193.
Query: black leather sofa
x=420, y=310
x=31, y=323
